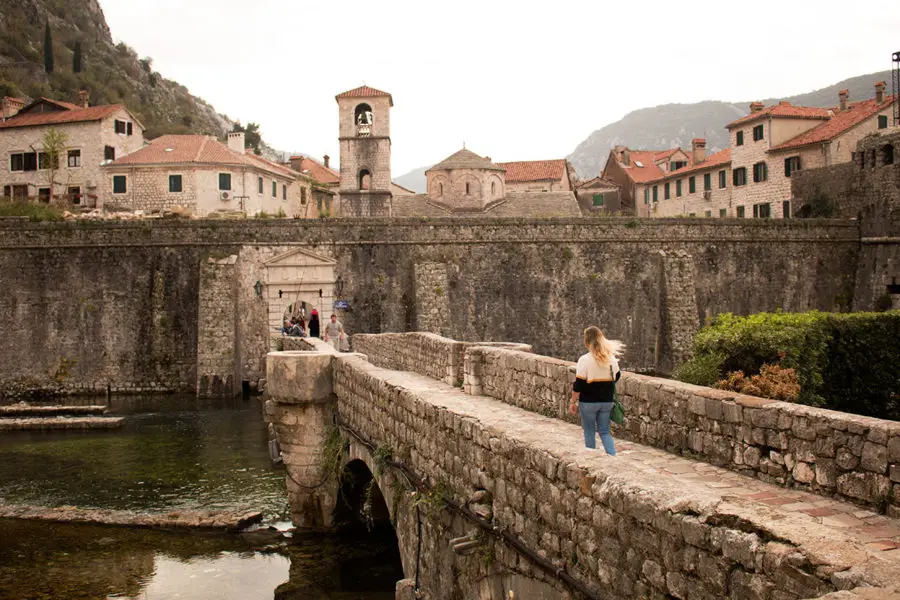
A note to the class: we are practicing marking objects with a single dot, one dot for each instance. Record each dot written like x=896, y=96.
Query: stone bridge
x=466, y=448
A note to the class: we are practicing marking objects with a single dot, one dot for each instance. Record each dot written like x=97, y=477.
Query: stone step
x=207, y=519
x=25, y=410
x=56, y=423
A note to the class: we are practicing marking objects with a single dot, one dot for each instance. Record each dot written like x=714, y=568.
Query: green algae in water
x=212, y=458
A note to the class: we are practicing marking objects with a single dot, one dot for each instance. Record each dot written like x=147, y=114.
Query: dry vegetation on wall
x=85, y=57
x=842, y=361
x=32, y=211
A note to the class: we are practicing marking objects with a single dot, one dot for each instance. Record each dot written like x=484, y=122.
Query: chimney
x=879, y=92
x=842, y=96
x=756, y=107
x=626, y=157
x=236, y=141
x=698, y=145
x=10, y=106
x=84, y=98
x=325, y=160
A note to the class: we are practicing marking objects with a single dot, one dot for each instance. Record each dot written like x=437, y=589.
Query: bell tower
x=365, y=138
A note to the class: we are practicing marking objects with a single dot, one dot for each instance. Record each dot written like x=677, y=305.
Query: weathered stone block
x=874, y=458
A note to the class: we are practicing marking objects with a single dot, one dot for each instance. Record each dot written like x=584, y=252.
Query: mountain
x=112, y=73
x=414, y=180
x=670, y=125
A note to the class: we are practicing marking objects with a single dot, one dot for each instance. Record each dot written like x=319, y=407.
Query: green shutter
x=723, y=212
x=655, y=193
x=646, y=195
x=678, y=188
x=598, y=199
x=692, y=185
x=740, y=212
x=707, y=181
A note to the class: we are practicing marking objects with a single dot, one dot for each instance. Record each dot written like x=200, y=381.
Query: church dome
x=465, y=181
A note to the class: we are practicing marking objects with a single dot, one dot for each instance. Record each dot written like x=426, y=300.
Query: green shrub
x=702, y=369
x=32, y=210
x=843, y=361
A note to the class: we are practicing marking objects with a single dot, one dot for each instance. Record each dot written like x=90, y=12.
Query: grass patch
x=31, y=210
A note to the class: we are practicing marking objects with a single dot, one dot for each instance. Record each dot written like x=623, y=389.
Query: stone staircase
x=25, y=417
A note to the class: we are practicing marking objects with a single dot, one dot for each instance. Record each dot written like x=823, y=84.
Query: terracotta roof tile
x=534, y=170
x=73, y=115
x=596, y=183
x=319, y=172
x=784, y=110
x=365, y=91
x=465, y=159
x=198, y=149
x=719, y=159
x=856, y=113
x=643, y=167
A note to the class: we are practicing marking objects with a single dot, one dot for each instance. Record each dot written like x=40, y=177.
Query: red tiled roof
x=784, y=110
x=856, y=113
x=319, y=172
x=71, y=115
x=365, y=91
x=723, y=157
x=596, y=182
x=534, y=170
x=648, y=171
x=197, y=149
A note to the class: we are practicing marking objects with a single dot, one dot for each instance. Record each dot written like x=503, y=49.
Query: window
x=130, y=128
x=75, y=194
x=786, y=209
x=74, y=158
x=646, y=195
x=757, y=133
x=225, y=182
x=740, y=212
x=723, y=212
x=44, y=161
x=887, y=154
x=760, y=172
x=440, y=189
x=467, y=189
x=493, y=188
x=598, y=200
x=120, y=127
x=707, y=214
x=762, y=210
x=677, y=164
x=707, y=182
x=656, y=193
x=44, y=195
x=260, y=185
x=791, y=164
x=109, y=153
x=274, y=189
x=17, y=162
x=302, y=195
x=666, y=193
x=174, y=184
x=120, y=185
x=283, y=192
x=740, y=176
x=740, y=139
x=723, y=179
x=692, y=185
x=678, y=188
x=692, y=215
x=882, y=121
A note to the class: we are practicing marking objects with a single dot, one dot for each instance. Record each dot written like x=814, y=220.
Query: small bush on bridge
x=843, y=361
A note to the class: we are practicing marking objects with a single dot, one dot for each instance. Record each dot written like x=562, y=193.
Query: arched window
x=440, y=189
x=493, y=188
x=467, y=189
x=363, y=115
x=365, y=179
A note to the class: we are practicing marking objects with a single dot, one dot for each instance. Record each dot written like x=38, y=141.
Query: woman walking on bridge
x=595, y=382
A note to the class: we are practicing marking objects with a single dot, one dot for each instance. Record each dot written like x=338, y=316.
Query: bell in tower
x=365, y=138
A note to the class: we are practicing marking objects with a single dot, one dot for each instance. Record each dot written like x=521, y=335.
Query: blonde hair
x=600, y=347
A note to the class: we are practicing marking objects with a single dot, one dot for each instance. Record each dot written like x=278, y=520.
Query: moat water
x=173, y=453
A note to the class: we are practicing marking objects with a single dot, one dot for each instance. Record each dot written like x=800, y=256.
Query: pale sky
x=514, y=80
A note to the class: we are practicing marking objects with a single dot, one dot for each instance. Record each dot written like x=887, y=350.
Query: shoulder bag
x=617, y=415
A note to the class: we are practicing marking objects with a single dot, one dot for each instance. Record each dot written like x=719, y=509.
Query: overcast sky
x=514, y=80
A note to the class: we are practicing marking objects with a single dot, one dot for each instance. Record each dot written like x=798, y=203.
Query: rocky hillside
x=111, y=72
x=673, y=125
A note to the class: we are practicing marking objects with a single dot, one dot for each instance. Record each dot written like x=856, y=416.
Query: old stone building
x=538, y=175
x=365, y=139
x=772, y=143
x=629, y=169
x=598, y=196
x=94, y=135
x=205, y=176
x=467, y=184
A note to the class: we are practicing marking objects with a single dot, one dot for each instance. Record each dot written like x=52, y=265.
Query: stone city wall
x=535, y=281
x=827, y=452
x=632, y=535
x=424, y=353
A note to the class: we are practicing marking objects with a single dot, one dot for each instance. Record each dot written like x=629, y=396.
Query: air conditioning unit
x=225, y=195
x=707, y=195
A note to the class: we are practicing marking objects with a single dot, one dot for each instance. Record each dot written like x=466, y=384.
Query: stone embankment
x=648, y=523
x=25, y=410
x=25, y=417
x=206, y=519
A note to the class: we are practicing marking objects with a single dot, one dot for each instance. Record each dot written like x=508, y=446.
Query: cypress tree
x=48, y=48
x=76, y=58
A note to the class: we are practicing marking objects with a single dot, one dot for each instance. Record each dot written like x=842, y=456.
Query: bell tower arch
x=365, y=138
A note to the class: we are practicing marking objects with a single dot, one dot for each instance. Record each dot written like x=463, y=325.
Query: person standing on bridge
x=595, y=382
x=314, y=324
x=334, y=332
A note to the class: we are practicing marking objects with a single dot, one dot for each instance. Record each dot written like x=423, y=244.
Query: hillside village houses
x=752, y=177
x=96, y=134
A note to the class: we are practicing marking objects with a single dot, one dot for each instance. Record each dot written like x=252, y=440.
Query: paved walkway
x=831, y=531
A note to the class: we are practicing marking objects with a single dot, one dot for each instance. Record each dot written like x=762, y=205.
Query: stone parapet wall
x=428, y=354
x=634, y=535
x=827, y=452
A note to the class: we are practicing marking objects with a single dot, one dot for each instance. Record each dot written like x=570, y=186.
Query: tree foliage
x=76, y=58
x=843, y=361
x=55, y=146
x=48, y=48
x=252, y=136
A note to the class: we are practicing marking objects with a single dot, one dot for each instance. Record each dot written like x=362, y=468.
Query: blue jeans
x=595, y=419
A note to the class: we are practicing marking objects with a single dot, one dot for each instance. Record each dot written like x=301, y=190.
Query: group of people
x=333, y=330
